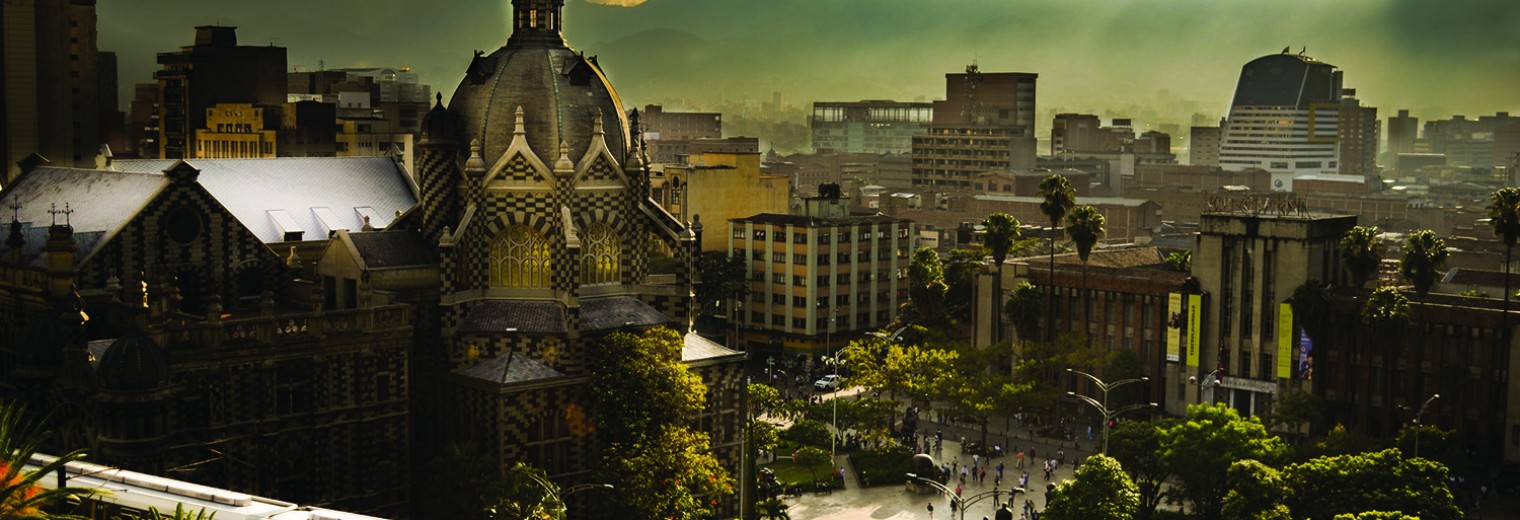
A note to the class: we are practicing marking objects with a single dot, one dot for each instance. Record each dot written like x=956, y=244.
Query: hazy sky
x=1438, y=57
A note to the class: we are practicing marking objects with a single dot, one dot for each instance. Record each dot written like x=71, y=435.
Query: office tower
x=1073, y=132
x=212, y=71
x=1203, y=146
x=1403, y=129
x=49, y=86
x=1359, y=131
x=1284, y=118
x=985, y=123
x=868, y=126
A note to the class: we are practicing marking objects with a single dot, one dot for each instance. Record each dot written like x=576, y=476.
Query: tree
x=467, y=485
x=811, y=457
x=1312, y=305
x=1375, y=515
x=808, y=433
x=926, y=288
x=1137, y=447
x=1295, y=409
x=1434, y=442
x=20, y=438
x=1024, y=310
x=1424, y=255
x=960, y=277
x=999, y=233
x=1255, y=492
x=761, y=398
x=527, y=493
x=1361, y=250
x=1504, y=215
x=1099, y=491
x=1324, y=487
x=1341, y=441
x=1058, y=197
x=1386, y=309
x=180, y=513
x=1200, y=450
x=981, y=389
x=1085, y=227
x=1180, y=260
x=646, y=401
x=774, y=509
x=721, y=279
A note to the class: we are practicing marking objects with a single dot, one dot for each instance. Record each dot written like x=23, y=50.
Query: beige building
x=821, y=278
x=238, y=131
x=1203, y=146
x=714, y=188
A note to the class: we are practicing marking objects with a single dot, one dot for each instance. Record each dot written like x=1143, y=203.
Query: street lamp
x=1209, y=381
x=559, y=502
x=834, y=361
x=1417, y=416
x=1102, y=406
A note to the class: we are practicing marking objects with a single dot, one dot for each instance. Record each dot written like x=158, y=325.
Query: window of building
x=842, y=299
x=842, y=279
x=799, y=301
x=778, y=299
x=823, y=237
x=601, y=252
x=823, y=259
x=865, y=236
x=823, y=280
x=520, y=258
x=757, y=255
x=799, y=237
x=778, y=320
x=863, y=256
x=843, y=257
x=799, y=259
x=823, y=302
x=756, y=317
x=799, y=280
x=778, y=278
x=756, y=296
x=779, y=236
x=799, y=323
x=778, y=257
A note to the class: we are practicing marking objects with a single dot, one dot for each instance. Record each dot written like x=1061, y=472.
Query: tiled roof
x=697, y=348
x=604, y=314
x=318, y=194
x=532, y=317
x=1121, y=257
x=383, y=249
x=511, y=368
x=101, y=202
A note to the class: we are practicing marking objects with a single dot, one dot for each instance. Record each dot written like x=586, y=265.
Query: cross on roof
x=66, y=211
x=15, y=211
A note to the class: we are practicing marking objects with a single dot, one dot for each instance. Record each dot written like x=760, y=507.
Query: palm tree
x=1059, y=199
x=1085, y=227
x=1385, y=315
x=20, y=439
x=1424, y=254
x=774, y=509
x=1504, y=215
x=1000, y=230
x=1361, y=250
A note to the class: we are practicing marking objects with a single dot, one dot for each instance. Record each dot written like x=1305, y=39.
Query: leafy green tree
x=1324, y=487
x=1504, y=215
x=808, y=433
x=1024, y=310
x=761, y=398
x=1200, y=450
x=1313, y=305
x=1057, y=197
x=1000, y=232
x=812, y=458
x=1361, y=250
x=21, y=495
x=1424, y=255
x=1434, y=443
x=960, y=277
x=926, y=288
x=1119, y=364
x=1255, y=492
x=981, y=389
x=1375, y=515
x=1099, y=491
x=1341, y=441
x=1385, y=315
x=1180, y=260
x=1041, y=365
x=774, y=509
x=1085, y=226
x=721, y=279
x=763, y=436
x=1475, y=293
x=527, y=493
x=466, y=486
x=1295, y=409
x=1137, y=447
x=669, y=474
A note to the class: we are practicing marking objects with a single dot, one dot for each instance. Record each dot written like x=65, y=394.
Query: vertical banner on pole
x=1194, y=328
x=1284, y=341
x=1174, y=323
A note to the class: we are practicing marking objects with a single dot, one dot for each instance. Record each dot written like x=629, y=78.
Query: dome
x=133, y=363
x=560, y=91
x=440, y=124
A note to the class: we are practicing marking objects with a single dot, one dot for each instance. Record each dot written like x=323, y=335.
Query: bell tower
x=537, y=20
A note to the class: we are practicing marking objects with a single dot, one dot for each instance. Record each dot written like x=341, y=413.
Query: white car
x=828, y=383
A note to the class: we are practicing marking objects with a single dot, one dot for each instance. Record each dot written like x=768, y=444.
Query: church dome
x=133, y=363
x=559, y=90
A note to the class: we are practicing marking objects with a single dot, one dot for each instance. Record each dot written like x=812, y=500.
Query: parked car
x=829, y=382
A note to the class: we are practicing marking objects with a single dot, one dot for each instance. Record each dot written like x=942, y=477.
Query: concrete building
x=1284, y=119
x=660, y=125
x=50, y=87
x=238, y=131
x=716, y=187
x=671, y=151
x=142, y=120
x=1247, y=265
x=215, y=69
x=1203, y=146
x=1403, y=130
x=868, y=126
x=1074, y=132
x=1359, y=134
x=821, y=278
x=985, y=122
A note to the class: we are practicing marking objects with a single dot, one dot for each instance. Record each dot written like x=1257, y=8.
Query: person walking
x=1021, y=459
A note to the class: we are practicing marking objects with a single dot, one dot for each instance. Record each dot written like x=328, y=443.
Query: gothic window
x=520, y=258
x=600, y=255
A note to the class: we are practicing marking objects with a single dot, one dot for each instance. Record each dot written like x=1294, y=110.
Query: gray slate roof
x=605, y=314
x=347, y=187
x=530, y=317
x=386, y=249
x=101, y=203
x=698, y=348
x=511, y=368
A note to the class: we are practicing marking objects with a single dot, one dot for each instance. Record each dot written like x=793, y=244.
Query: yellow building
x=238, y=131
x=717, y=187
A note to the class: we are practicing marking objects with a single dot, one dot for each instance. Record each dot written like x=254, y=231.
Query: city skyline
x=1435, y=61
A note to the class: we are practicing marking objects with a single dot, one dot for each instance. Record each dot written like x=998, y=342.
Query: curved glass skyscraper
x=1284, y=118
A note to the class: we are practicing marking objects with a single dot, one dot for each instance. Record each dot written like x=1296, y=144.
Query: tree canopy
x=1099, y=491
x=1324, y=487
x=1360, y=249
x=1200, y=449
x=1424, y=255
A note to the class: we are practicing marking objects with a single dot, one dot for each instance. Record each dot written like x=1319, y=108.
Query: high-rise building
x=214, y=70
x=1073, y=132
x=142, y=120
x=985, y=123
x=1403, y=129
x=49, y=83
x=1284, y=118
x=662, y=125
x=868, y=126
x=1359, y=133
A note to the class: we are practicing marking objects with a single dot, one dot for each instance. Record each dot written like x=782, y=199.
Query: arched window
x=600, y=255
x=520, y=258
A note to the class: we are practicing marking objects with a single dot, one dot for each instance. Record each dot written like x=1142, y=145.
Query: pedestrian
x=957, y=492
x=1031, y=454
x=976, y=459
x=1000, y=469
x=1021, y=459
x=981, y=475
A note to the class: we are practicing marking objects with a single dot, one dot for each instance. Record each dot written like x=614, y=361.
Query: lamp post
x=1209, y=381
x=1417, y=417
x=1102, y=406
x=559, y=502
x=835, y=362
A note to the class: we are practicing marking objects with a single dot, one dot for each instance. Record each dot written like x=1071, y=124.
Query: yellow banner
x=1174, y=333
x=1284, y=341
x=1194, y=328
